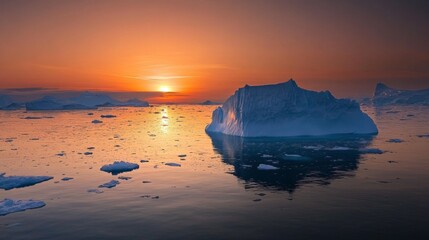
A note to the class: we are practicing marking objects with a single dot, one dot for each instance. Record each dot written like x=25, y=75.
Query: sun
x=164, y=89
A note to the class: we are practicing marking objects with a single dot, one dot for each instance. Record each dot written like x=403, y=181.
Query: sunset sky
x=203, y=49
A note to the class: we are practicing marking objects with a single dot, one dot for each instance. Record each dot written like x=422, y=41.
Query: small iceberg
x=266, y=167
x=119, y=167
x=96, y=121
x=110, y=184
x=11, y=182
x=8, y=206
x=394, y=140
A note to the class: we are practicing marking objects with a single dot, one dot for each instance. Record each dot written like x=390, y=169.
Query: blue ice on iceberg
x=284, y=110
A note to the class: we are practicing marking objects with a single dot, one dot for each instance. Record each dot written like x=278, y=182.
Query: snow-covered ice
x=287, y=110
x=10, y=182
x=110, y=184
x=8, y=206
x=266, y=167
x=119, y=167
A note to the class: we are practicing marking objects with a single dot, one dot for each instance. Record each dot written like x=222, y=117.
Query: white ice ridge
x=284, y=109
x=8, y=206
x=11, y=182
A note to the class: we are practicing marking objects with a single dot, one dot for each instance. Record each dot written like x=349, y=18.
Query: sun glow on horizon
x=164, y=89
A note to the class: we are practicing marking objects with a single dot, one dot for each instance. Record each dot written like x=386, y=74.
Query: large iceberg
x=385, y=95
x=6, y=103
x=284, y=109
x=5, y=100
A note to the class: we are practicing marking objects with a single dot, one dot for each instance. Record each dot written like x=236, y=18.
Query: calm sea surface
x=218, y=192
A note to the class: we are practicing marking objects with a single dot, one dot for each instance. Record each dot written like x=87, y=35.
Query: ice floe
x=10, y=182
x=294, y=157
x=266, y=167
x=172, y=164
x=119, y=167
x=371, y=150
x=8, y=206
x=110, y=184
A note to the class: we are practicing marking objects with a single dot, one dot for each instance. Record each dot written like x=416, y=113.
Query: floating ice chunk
x=108, y=116
x=294, y=157
x=32, y=118
x=124, y=178
x=97, y=121
x=172, y=164
x=94, y=190
x=11, y=182
x=181, y=155
x=316, y=148
x=8, y=206
x=119, y=167
x=66, y=178
x=266, y=156
x=371, y=150
x=423, y=136
x=337, y=148
x=110, y=184
x=144, y=161
x=395, y=140
x=266, y=167
x=87, y=153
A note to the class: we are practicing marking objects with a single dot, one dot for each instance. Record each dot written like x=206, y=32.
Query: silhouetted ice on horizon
x=84, y=101
x=384, y=95
x=285, y=109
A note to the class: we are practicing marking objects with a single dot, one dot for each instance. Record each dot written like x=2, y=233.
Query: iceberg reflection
x=299, y=160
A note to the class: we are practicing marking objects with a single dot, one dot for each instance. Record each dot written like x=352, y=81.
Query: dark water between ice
x=330, y=191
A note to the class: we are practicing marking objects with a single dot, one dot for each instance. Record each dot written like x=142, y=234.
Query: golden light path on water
x=217, y=189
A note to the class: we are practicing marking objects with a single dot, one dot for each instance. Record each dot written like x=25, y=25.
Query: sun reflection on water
x=164, y=120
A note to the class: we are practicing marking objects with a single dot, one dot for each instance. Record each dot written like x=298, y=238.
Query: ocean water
x=330, y=191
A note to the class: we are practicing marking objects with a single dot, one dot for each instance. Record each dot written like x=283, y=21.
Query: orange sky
x=206, y=49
